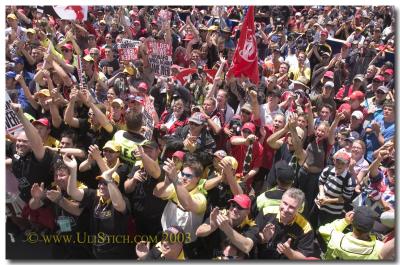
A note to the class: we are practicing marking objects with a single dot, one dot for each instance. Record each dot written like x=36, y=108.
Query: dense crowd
x=298, y=165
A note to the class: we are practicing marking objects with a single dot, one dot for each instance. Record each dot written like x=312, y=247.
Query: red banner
x=245, y=60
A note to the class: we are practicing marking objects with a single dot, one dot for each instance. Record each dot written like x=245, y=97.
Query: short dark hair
x=195, y=166
x=71, y=135
x=60, y=165
x=134, y=120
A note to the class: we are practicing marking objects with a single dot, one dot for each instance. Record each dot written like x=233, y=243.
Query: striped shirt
x=336, y=186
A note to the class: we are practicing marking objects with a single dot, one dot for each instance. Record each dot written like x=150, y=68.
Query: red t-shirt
x=239, y=152
x=268, y=152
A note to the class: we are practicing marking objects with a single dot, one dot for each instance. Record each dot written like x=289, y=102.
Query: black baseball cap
x=363, y=219
x=284, y=172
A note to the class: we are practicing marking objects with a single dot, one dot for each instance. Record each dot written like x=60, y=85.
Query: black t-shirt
x=218, y=196
x=144, y=203
x=217, y=241
x=299, y=231
x=111, y=66
x=28, y=170
x=108, y=221
x=90, y=136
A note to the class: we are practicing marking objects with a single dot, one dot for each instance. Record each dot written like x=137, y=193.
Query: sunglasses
x=380, y=92
x=65, y=50
x=186, y=175
x=246, y=131
x=237, y=206
x=246, y=112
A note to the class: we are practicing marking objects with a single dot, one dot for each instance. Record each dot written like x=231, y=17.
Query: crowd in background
x=300, y=165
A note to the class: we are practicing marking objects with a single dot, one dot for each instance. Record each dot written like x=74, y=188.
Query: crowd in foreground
x=298, y=165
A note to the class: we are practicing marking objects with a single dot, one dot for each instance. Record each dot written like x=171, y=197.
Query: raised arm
x=20, y=79
x=332, y=129
x=72, y=189
x=182, y=193
x=274, y=140
x=151, y=166
x=32, y=134
x=115, y=194
x=69, y=118
x=100, y=116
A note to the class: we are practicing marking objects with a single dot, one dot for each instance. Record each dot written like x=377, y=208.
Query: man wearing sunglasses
x=186, y=204
x=230, y=228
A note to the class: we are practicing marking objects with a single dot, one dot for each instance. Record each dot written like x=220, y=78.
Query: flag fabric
x=185, y=75
x=245, y=59
x=65, y=12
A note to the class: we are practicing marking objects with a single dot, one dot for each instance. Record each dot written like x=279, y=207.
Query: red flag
x=184, y=75
x=210, y=74
x=245, y=60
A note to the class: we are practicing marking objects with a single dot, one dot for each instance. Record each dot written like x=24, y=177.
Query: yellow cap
x=12, y=16
x=31, y=31
x=232, y=161
x=88, y=58
x=118, y=101
x=129, y=70
x=43, y=92
x=112, y=145
x=114, y=176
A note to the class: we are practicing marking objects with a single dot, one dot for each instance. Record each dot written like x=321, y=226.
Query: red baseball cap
x=250, y=126
x=379, y=78
x=329, y=74
x=357, y=95
x=324, y=32
x=68, y=46
x=389, y=71
x=243, y=200
x=42, y=121
x=143, y=86
x=342, y=156
x=179, y=154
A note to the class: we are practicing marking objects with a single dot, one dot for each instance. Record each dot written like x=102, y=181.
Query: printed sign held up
x=160, y=57
x=128, y=50
x=13, y=124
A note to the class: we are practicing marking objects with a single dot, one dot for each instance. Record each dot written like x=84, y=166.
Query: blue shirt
x=371, y=140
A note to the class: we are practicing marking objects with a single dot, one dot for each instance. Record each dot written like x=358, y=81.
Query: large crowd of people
x=198, y=163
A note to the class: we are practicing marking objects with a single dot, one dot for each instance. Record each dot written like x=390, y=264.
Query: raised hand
x=267, y=233
x=70, y=162
x=142, y=248
x=54, y=195
x=170, y=169
x=94, y=151
x=37, y=192
x=349, y=217
x=213, y=217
